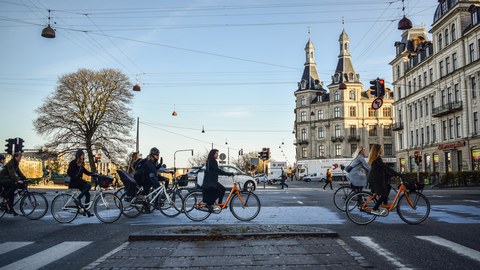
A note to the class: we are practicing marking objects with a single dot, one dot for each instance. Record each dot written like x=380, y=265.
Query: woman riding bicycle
x=76, y=170
x=212, y=189
x=378, y=177
x=10, y=177
x=360, y=169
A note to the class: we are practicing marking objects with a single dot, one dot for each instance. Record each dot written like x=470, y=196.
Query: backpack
x=137, y=165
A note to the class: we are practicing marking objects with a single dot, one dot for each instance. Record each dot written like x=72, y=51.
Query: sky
x=230, y=67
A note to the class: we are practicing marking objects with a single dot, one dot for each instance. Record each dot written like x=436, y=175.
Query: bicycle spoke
x=33, y=205
x=358, y=207
x=194, y=208
x=245, y=207
x=413, y=208
x=108, y=207
x=63, y=208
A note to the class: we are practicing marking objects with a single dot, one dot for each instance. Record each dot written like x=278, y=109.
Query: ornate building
x=436, y=85
x=332, y=124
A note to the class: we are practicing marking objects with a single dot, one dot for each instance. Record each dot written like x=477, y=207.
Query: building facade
x=332, y=123
x=437, y=102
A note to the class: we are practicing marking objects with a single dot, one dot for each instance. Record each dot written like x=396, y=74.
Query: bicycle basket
x=104, y=181
x=183, y=181
x=413, y=185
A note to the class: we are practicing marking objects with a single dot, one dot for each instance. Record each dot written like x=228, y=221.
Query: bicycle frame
x=390, y=207
x=98, y=192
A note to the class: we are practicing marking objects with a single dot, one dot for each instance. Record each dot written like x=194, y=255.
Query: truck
x=317, y=168
x=274, y=170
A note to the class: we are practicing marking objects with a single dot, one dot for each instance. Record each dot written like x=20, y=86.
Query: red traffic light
x=381, y=82
x=417, y=153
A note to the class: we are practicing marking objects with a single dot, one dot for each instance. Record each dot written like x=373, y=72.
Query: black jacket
x=11, y=172
x=76, y=173
x=147, y=171
x=378, y=177
x=212, y=171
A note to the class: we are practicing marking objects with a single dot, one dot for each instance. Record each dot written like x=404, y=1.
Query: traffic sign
x=377, y=103
x=223, y=156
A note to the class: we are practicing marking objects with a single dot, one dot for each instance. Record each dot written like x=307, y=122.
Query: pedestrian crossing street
x=51, y=254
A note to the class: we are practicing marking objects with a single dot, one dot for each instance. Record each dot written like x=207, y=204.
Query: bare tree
x=199, y=159
x=88, y=109
x=244, y=162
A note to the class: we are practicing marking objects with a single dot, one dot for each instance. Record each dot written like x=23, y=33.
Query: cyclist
x=2, y=162
x=378, y=177
x=76, y=170
x=10, y=177
x=211, y=188
x=360, y=169
x=146, y=174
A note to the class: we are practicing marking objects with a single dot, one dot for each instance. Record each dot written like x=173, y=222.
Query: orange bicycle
x=243, y=203
x=412, y=206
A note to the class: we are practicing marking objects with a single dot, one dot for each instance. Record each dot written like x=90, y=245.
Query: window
x=419, y=81
x=409, y=87
x=457, y=92
x=321, y=115
x=431, y=75
x=446, y=37
x=321, y=133
x=416, y=136
x=336, y=112
x=422, y=137
x=372, y=130
x=304, y=152
x=434, y=133
x=303, y=116
x=450, y=94
x=474, y=17
x=398, y=72
x=352, y=95
x=421, y=108
x=353, y=111
x=414, y=84
x=444, y=130
x=450, y=130
x=473, y=86
x=425, y=78
x=471, y=54
x=337, y=95
x=371, y=112
x=433, y=103
x=428, y=134
x=426, y=106
x=443, y=97
x=387, y=112
x=440, y=41
x=338, y=150
x=411, y=138
x=454, y=61
x=447, y=65
x=458, y=129
x=411, y=112
x=303, y=101
x=338, y=131
x=400, y=141
x=454, y=37
x=441, y=68
x=387, y=130
x=321, y=150
x=353, y=130
x=415, y=106
x=353, y=148
x=475, y=123
x=388, y=149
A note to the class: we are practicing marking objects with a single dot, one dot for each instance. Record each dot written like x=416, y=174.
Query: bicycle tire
x=3, y=206
x=172, y=208
x=355, y=213
x=246, y=207
x=119, y=192
x=64, y=209
x=129, y=211
x=108, y=207
x=415, y=215
x=193, y=207
x=340, y=197
x=33, y=205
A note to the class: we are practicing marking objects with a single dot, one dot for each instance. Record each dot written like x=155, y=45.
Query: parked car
x=192, y=173
x=260, y=178
x=314, y=177
x=246, y=181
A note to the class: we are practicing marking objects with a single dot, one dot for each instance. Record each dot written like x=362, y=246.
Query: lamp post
x=175, y=158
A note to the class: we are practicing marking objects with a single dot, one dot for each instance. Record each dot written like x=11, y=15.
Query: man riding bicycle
x=10, y=177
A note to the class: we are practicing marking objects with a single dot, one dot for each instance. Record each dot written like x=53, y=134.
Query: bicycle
x=32, y=205
x=244, y=204
x=106, y=205
x=46, y=180
x=342, y=194
x=412, y=206
x=169, y=202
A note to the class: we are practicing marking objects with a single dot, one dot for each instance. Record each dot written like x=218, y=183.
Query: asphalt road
x=449, y=239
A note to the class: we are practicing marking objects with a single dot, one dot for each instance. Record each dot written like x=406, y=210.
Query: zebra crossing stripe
x=459, y=249
x=369, y=243
x=47, y=256
x=9, y=246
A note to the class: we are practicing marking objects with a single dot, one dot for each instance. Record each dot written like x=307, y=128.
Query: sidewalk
x=235, y=246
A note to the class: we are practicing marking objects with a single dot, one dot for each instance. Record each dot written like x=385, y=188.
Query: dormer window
x=352, y=95
x=474, y=14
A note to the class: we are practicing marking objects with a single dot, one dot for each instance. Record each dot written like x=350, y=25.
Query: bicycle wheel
x=340, y=197
x=245, y=206
x=108, y=207
x=171, y=206
x=64, y=209
x=193, y=207
x=129, y=210
x=3, y=206
x=357, y=210
x=417, y=213
x=119, y=192
x=33, y=205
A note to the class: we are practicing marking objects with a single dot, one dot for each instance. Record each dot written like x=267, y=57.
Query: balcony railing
x=447, y=108
x=301, y=141
x=353, y=138
x=397, y=126
x=337, y=138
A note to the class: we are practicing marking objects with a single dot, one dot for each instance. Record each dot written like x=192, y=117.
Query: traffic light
x=264, y=153
x=418, y=157
x=19, y=145
x=9, y=146
x=267, y=156
x=381, y=87
x=342, y=167
x=374, y=88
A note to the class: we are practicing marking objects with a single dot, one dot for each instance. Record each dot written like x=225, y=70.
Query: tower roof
x=310, y=79
x=345, y=72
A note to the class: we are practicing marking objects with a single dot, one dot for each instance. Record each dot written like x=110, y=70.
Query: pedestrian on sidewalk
x=283, y=178
x=329, y=179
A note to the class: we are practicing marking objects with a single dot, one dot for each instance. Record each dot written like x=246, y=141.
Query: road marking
x=47, y=256
x=368, y=242
x=459, y=249
x=9, y=246
x=474, y=201
x=300, y=202
x=100, y=260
